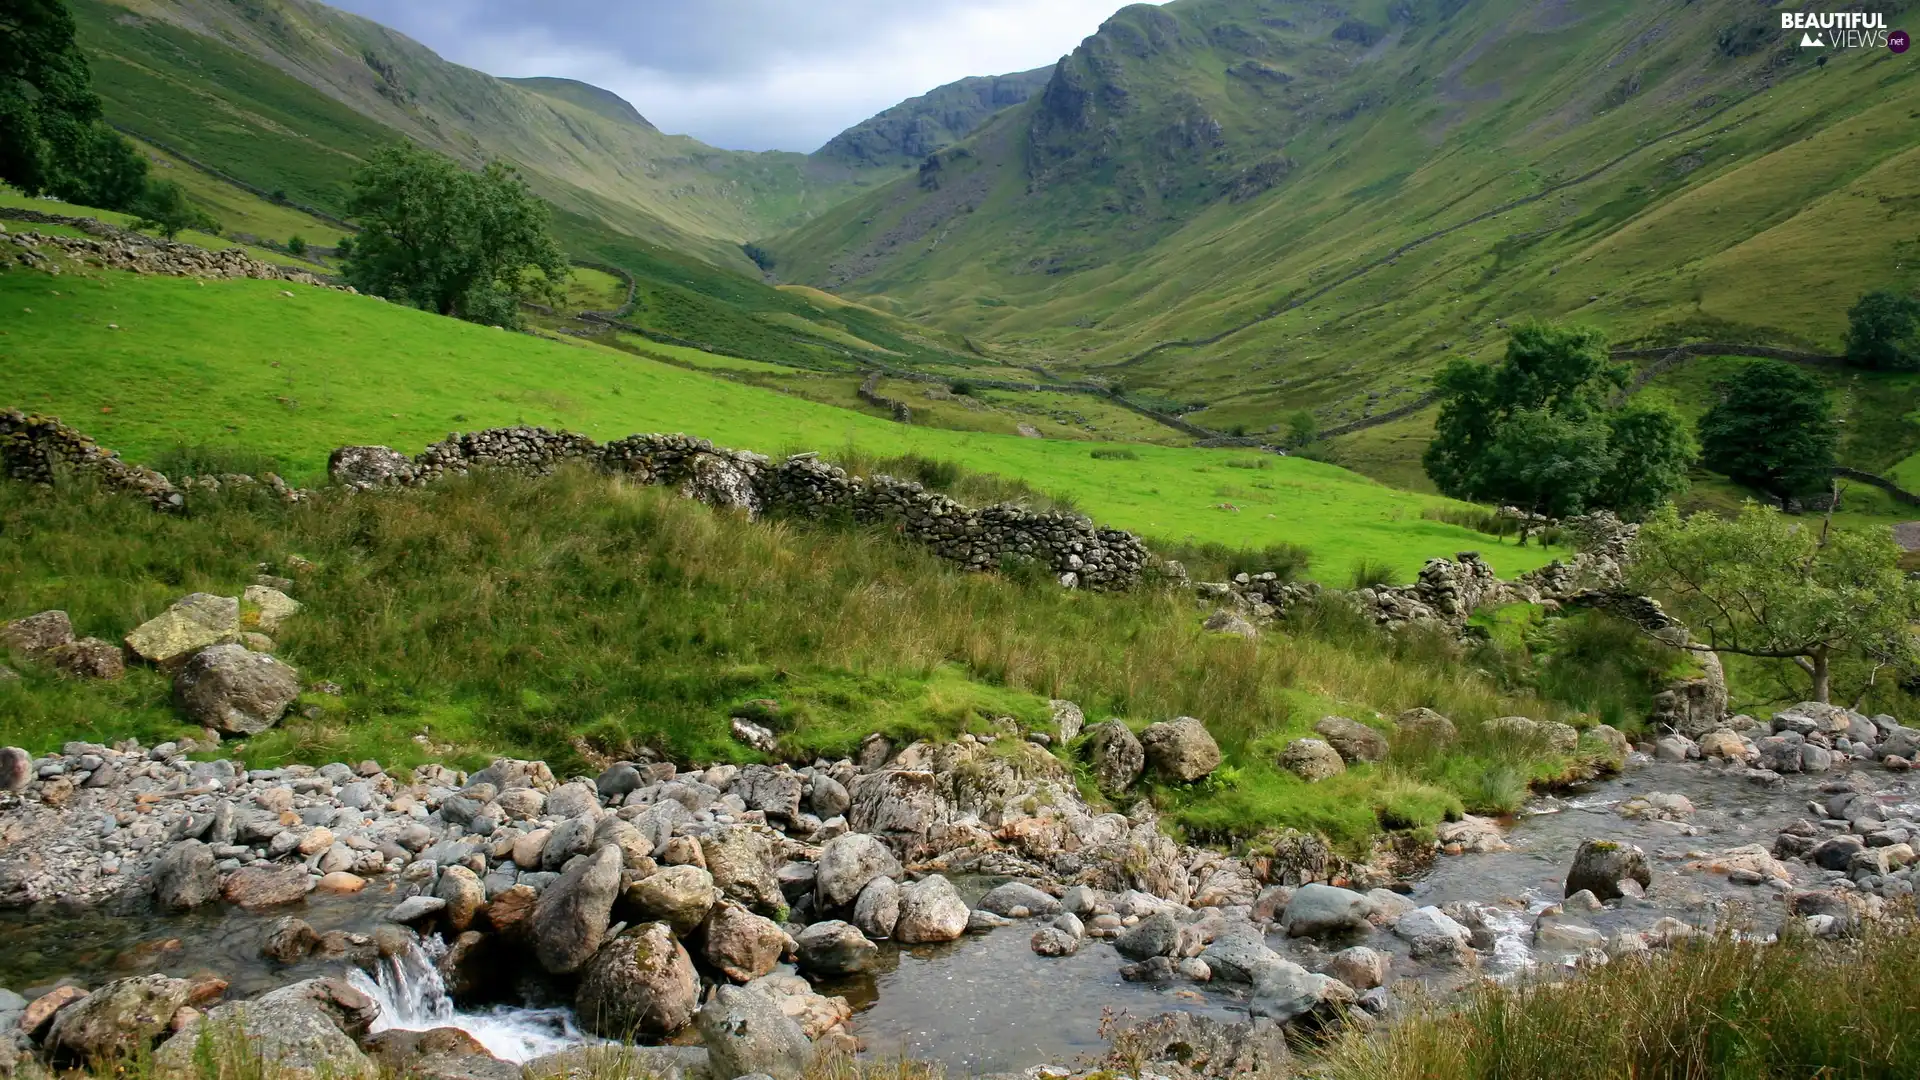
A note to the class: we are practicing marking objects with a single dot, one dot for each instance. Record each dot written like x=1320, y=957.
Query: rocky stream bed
x=956, y=902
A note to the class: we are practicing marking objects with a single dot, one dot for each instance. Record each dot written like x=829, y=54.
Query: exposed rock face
x=234, y=690
x=930, y=911
x=746, y=1033
x=680, y=896
x=119, y=1018
x=1117, y=756
x=570, y=919
x=1599, y=866
x=1353, y=740
x=305, y=1031
x=847, y=864
x=1181, y=750
x=640, y=983
x=1694, y=706
x=184, y=878
x=192, y=623
x=1312, y=760
x=835, y=948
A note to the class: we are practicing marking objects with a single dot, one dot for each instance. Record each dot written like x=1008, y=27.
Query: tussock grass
x=1717, y=1008
x=581, y=616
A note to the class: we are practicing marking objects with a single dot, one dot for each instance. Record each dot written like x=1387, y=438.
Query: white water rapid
x=412, y=997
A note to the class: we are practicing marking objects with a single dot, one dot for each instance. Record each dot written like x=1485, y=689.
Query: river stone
x=1180, y=750
x=1154, y=935
x=1353, y=740
x=835, y=948
x=1599, y=866
x=829, y=798
x=305, y=1031
x=1430, y=932
x=444, y=1053
x=1424, y=727
x=572, y=800
x=680, y=896
x=642, y=983
x=847, y=864
x=254, y=887
x=120, y=1018
x=1002, y=900
x=877, y=911
x=1117, y=756
x=270, y=607
x=741, y=862
x=636, y=848
x=571, y=837
x=289, y=940
x=614, y=1060
x=1318, y=910
x=16, y=769
x=465, y=896
x=191, y=624
x=1359, y=967
x=1285, y=992
x=506, y=774
x=930, y=911
x=184, y=877
x=570, y=918
x=1312, y=760
x=37, y=635
x=1722, y=743
x=1053, y=941
x=1239, y=954
x=741, y=945
x=746, y=1032
x=774, y=792
x=235, y=690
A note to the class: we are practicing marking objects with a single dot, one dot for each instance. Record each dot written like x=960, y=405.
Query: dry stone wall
x=122, y=249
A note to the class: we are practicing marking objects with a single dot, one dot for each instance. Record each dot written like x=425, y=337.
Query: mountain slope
x=906, y=133
x=603, y=103
x=1264, y=205
x=577, y=146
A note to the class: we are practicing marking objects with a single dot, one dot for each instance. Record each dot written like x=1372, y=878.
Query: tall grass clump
x=1372, y=574
x=1210, y=560
x=1483, y=520
x=1719, y=1008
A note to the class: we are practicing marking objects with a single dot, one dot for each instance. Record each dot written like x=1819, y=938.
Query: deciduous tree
x=1772, y=429
x=1883, y=331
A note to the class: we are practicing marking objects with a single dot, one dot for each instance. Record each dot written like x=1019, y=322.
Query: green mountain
x=604, y=103
x=905, y=134
x=1258, y=206
x=290, y=94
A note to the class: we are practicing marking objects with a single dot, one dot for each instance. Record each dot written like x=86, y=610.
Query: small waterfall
x=413, y=997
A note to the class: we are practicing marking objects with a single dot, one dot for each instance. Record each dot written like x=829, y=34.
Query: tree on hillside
x=51, y=137
x=1764, y=585
x=1772, y=429
x=164, y=208
x=1536, y=430
x=1883, y=331
x=441, y=238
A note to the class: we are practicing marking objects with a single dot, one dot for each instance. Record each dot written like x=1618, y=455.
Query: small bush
x=961, y=387
x=1114, y=453
x=1373, y=573
x=297, y=245
x=204, y=460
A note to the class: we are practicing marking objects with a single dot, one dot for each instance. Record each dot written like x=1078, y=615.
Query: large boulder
x=835, y=948
x=1287, y=993
x=1353, y=740
x=89, y=658
x=1430, y=932
x=1599, y=866
x=741, y=862
x=185, y=877
x=741, y=945
x=464, y=894
x=267, y=607
x=1422, y=727
x=746, y=1032
x=1318, y=910
x=570, y=919
x=1117, y=756
x=930, y=911
x=877, y=911
x=1312, y=760
x=255, y=887
x=1180, y=750
x=642, y=983
x=191, y=624
x=900, y=806
x=37, y=635
x=235, y=690
x=1005, y=899
x=773, y=791
x=120, y=1018
x=16, y=769
x=1152, y=936
x=680, y=896
x=847, y=864
x=1068, y=720
x=306, y=1031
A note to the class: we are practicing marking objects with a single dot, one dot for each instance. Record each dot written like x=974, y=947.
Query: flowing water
x=984, y=1003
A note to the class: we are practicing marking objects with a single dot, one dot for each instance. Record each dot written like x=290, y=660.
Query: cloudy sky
x=749, y=74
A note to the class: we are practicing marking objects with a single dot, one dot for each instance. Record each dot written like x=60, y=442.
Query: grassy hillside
x=193, y=60
x=605, y=103
x=295, y=376
x=1264, y=206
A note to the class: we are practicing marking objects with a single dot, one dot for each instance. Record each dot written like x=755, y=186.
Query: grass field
x=131, y=360
x=10, y=197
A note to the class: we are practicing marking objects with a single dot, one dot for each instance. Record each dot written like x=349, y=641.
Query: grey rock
x=1004, y=899
x=1431, y=933
x=16, y=769
x=1600, y=865
x=1053, y=941
x=1324, y=911
x=1312, y=760
x=572, y=800
x=415, y=909
x=1238, y=956
x=877, y=911
x=829, y=799
x=746, y=1032
x=641, y=983
x=305, y=1031
x=1181, y=750
x=185, y=878
x=680, y=896
x=1359, y=967
x=193, y=623
x=835, y=948
x=1353, y=740
x=847, y=864
x=930, y=911
x=739, y=944
x=1154, y=935
x=570, y=919
x=1287, y=993
x=120, y=1018
x=234, y=690
x=617, y=781
x=1117, y=756
x=37, y=635
x=741, y=862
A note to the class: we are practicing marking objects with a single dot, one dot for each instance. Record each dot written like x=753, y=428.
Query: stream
x=935, y=1002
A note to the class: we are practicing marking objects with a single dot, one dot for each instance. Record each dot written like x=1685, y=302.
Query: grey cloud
x=749, y=74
